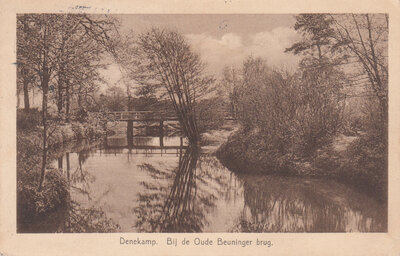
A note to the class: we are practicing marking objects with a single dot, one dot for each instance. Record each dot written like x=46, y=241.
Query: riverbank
x=34, y=206
x=213, y=139
x=358, y=161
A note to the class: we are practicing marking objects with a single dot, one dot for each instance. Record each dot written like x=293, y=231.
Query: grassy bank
x=359, y=161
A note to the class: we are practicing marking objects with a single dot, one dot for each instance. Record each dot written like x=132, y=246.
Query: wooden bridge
x=145, y=116
x=138, y=116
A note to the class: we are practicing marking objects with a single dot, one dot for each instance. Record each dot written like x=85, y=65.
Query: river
x=182, y=189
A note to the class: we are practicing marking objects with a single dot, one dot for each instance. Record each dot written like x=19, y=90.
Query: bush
x=31, y=203
x=81, y=115
x=28, y=119
x=294, y=113
x=366, y=164
x=244, y=152
x=78, y=129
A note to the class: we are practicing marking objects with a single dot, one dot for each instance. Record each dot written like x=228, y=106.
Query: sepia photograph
x=192, y=123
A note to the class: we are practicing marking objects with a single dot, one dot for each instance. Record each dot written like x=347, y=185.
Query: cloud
x=218, y=53
x=231, y=49
x=232, y=41
x=272, y=44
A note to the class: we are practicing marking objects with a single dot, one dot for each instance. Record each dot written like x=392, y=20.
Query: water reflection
x=176, y=207
x=287, y=204
x=75, y=217
x=182, y=190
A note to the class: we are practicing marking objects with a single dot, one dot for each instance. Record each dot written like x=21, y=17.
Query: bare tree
x=163, y=59
x=355, y=42
x=365, y=37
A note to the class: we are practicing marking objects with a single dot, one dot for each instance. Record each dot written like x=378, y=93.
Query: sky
x=221, y=39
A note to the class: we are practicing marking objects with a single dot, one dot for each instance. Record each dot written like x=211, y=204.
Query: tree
x=322, y=54
x=163, y=59
x=357, y=42
x=82, y=43
x=230, y=82
x=316, y=33
x=48, y=45
x=365, y=37
x=115, y=98
x=26, y=75
x=38, y=52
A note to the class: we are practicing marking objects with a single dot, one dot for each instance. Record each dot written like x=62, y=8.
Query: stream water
x=178, y=189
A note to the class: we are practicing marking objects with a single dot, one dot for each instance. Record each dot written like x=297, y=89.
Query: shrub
x=366, y=164
x=78, y=129
x=28, y=119
x=32, y=203
x=292, y=112
x=81, y=115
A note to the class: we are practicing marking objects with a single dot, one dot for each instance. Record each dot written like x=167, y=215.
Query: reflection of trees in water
x=79, y=179
x=212, y=174
x=75, y=217
x=176, y=207
x=272, y=206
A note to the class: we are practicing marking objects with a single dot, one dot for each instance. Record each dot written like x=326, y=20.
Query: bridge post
x=161, y=133
x=60, y=162
x=68, y=166
x=129, y=133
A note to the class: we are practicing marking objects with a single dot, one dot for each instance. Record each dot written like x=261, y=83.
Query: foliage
x=209, y=114
x=33, y=203
x=249, y=151
x=366, y=164
x=289, y=122
x=38, y=207
x=114, y=99
x=28, y=119
x=355, y=42
x=294, y=114
x=64, y=50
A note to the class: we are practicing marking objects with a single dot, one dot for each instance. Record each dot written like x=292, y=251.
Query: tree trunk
x=67, y=103
x=60, y=96
x=26, y=92
x=18, y=99
x=68, y=166
x=33, y=95
x=80, y=98
x=25, y=78
x=45, y=88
